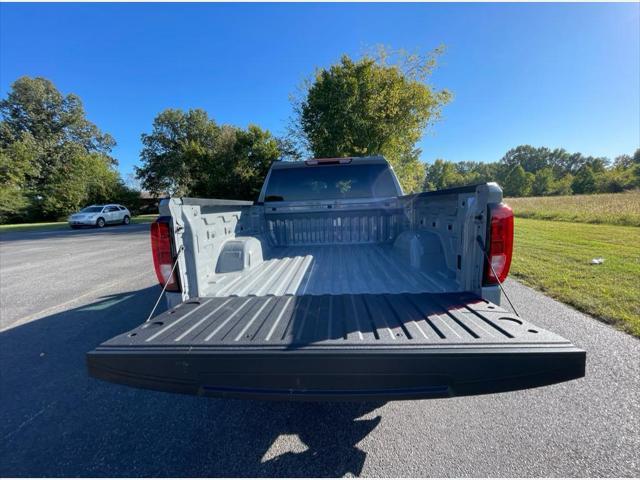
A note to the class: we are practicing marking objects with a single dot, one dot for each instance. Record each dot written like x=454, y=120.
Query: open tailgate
x=337, y=347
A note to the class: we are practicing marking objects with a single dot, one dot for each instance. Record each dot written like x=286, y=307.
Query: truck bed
x=330, y=269
x=348, y=346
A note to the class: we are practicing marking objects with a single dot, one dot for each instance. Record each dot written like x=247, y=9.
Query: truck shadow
x=56, y=421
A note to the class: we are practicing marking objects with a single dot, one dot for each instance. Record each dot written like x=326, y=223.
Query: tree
x=61, y=155
x=530, y=158
x=562, y=186
x=250, y=154
x=377, y=105
x=175, y=153
x=543, y=182
x=623, y=161
x=187, y=153
x=636, y=168
x=517, y=182
x=17, y=163
x=411, y=171
x=442, y=174
x=584, y=181
x=527, y=170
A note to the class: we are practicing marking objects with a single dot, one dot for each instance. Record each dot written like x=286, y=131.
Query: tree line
x=53, y=160
x=541, y=171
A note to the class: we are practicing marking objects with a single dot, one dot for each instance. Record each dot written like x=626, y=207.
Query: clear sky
x=558, y=75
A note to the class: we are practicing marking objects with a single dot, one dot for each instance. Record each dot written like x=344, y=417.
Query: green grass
x=554, y=257
x=605, y=208
x=22, y=227
x=144, y=218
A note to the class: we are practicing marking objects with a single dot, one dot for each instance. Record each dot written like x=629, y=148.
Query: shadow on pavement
x=56, y=421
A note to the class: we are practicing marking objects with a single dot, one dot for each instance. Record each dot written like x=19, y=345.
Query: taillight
x=163, y=258
x=500, y=244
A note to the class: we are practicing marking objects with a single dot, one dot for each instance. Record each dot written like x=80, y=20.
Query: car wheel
x=75, y=227
x=100, y=222
x=126, y=220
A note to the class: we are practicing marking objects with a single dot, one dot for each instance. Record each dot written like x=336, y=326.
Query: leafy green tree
x=623, y=161
x=546, y=172
x=619, y=178
x=477, y=172
x=17, y=163
x=635, y=169
x=562, y=186
x=442, y=174
x=61, y=155
x=375, y=105
x=411, y=170
x=530, y=158
x=517, y=182
x=176, y=153
x=247, y=162
x=445, y=174
x=584, y=181
x=597, y=164
x=187, y=153
x=543, y=182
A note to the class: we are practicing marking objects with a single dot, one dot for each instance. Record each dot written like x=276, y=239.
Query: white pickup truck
x=336, y=286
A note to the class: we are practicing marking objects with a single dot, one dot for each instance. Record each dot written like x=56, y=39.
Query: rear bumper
x=339, y=374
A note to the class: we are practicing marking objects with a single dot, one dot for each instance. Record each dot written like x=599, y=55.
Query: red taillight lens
x=500, y=248
x=162, y=255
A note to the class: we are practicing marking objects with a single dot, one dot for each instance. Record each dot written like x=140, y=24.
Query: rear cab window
x=330, y=182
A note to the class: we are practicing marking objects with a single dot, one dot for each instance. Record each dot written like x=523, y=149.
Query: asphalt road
x=64, y=292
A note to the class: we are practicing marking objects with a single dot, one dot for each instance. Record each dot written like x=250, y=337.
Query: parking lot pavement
x=47, y=271
x=65, y=292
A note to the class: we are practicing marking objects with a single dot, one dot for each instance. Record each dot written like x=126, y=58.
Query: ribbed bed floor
x=336, y=320
x=330, y=269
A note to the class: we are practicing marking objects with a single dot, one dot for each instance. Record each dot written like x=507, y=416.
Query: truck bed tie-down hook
x=175, y=264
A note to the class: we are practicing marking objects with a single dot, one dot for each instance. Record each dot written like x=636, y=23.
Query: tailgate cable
x=484, y=250
x=175, y=264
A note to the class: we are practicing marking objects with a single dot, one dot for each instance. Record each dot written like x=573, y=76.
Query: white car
x=100, y=215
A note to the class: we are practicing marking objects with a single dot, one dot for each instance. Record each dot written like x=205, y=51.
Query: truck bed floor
x=330, y=269
x=398, y=320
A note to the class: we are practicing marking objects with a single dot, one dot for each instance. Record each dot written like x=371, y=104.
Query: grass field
x=605, y=208
x=21, y=227
x=554, y=257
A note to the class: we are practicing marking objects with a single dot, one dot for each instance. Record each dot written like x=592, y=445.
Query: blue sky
x=558, y=75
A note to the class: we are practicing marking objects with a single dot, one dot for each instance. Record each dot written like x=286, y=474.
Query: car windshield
x=91, y=210
x=330, y=182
